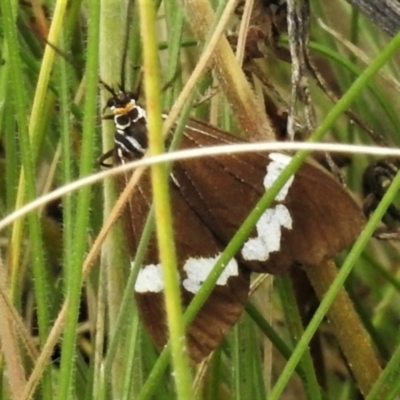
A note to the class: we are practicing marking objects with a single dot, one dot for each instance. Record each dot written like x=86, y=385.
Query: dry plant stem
x=41, y=363
x=8, y=340
x=334, y=97
x=8, y=308
x=201, y=375
x=360, y=55
x=19, y=327
x=249, y=115
x=244, y=26
x=352, y=337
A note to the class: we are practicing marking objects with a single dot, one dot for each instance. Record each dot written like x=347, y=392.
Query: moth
x=312, y=219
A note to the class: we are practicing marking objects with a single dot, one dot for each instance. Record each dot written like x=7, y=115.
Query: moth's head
x=121, y=102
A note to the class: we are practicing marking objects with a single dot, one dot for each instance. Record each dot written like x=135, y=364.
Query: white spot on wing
x=274, y=169
x=280, y=157
x=269, y=226
x=269, y=230
x=149, y=279
x=198, y=269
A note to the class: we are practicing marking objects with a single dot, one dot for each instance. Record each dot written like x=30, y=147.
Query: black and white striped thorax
x=130, y=121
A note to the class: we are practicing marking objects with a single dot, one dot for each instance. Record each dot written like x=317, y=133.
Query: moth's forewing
x=194, y=242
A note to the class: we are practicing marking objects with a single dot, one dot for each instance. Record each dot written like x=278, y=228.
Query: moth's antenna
x=108, y=88
x=125, y=48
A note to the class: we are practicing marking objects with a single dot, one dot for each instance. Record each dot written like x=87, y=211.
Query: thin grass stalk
x=389, y=378
x=163, y=217
x=134, y=62
x=66, y=156
x=29, y=189
x=73, y=285
x=113, y=30
x=34, y=132
x=295, y=327
x=4, y=73
x=13, y=165
x=64, y=92
x=130, y=387
x=259, y=381
x=242, y=359
x=100, y=333
x=174, y=20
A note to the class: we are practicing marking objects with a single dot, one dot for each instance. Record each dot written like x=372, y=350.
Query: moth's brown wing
x=194, y=241
x=326, y=218
x=318, y=217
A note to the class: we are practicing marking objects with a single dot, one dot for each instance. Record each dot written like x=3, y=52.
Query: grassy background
x=52, y=134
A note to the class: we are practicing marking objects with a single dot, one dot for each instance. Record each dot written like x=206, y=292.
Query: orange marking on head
x=125, y=110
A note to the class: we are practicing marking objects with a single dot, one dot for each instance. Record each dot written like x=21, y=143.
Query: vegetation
x=69, y=327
